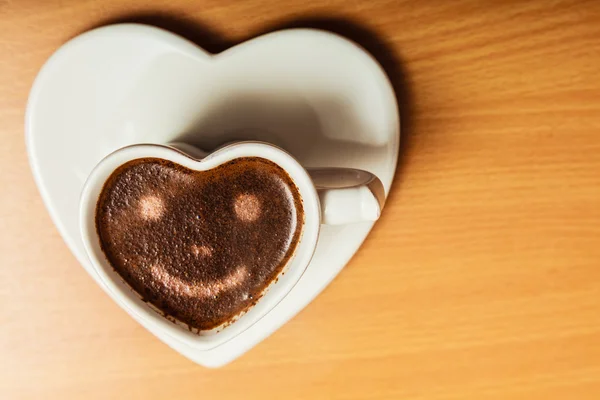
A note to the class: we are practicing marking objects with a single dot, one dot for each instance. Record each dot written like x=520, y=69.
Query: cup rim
x=274, y=293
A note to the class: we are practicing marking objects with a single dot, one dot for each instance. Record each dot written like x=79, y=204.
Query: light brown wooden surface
x=482, y=279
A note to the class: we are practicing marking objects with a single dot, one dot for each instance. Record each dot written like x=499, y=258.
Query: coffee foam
x=200, y=246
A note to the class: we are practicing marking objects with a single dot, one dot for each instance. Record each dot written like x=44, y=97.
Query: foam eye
x=247, y=207
x=151, y=207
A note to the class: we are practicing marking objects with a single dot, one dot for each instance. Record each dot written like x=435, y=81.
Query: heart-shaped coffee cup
x=328, y=196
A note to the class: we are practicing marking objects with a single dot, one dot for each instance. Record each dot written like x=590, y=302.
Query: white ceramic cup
x=329, y=196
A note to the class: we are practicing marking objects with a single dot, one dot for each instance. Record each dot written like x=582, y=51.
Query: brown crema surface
x=201, y=246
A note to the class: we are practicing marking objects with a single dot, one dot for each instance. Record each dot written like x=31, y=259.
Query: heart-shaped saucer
x=313, y=93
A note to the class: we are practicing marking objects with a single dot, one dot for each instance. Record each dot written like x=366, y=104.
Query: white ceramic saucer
x=317, y=95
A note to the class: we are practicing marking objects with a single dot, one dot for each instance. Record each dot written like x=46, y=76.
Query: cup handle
x=347, y=195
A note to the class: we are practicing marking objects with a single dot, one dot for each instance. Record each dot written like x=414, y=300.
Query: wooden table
x=481, y=280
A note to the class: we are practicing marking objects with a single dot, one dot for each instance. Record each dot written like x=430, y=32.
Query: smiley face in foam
x=201, y=246
x=200, y=290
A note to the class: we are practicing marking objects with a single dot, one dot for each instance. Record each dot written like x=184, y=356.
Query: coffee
x=200, y=246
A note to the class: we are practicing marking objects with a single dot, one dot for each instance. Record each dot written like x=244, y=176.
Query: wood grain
x=482, y=279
